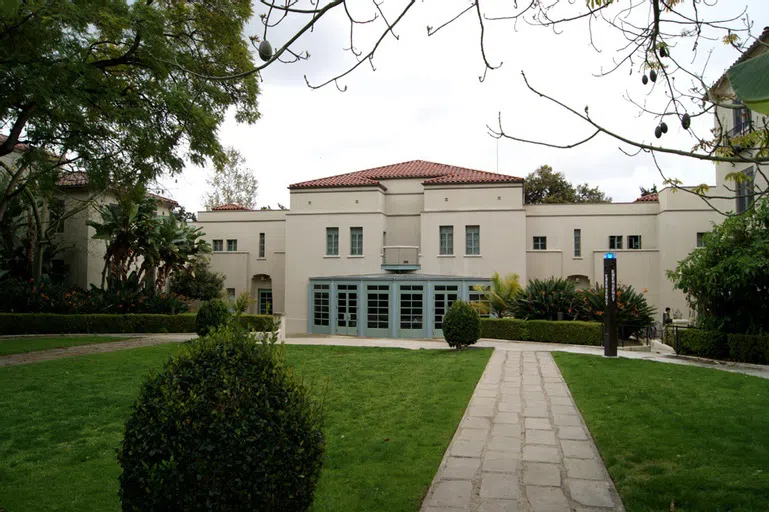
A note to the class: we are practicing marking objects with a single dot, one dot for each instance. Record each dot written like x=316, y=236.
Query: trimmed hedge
x=748, y=349
x=573, y=332
x=43, y=323
x=701, y=343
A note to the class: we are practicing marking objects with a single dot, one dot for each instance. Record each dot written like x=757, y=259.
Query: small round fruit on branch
x=653, y=75
x=686, y=121
x=658, y=132
x=265, y=50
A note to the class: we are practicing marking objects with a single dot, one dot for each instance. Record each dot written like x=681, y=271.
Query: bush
x=198, y=281
x=748, y=349
x=577, y=333
x=224, y=426
x=212, y=314
x=700, y=343
x=633, y=312
x=543, y=299
x=504, y=329
x=461, y=325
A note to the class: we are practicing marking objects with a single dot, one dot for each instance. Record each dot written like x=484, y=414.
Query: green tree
x=500, y=297
x=119, y=88
x=232, y=182
x=547, y=186
x=727, y=280
x=648, y=191
x=198, y=280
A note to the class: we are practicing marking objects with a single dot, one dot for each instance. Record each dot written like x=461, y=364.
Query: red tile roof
x=232, y=207
x=78, y=179
x=433, y=173
x=648, y=198
x=18, y=147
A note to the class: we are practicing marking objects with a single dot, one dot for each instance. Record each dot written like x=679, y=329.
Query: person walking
x=666, y=319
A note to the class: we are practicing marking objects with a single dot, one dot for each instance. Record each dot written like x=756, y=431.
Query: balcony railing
x=740, y=129
x=400, y=258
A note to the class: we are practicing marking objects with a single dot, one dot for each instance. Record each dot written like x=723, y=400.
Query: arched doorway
x=261, y=292
x=580, y=281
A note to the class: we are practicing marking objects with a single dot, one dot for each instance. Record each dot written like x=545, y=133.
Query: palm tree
x=500, y=296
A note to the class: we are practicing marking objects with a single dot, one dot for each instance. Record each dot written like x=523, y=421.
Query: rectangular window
x=745, y=191
x=378, y=304
x=218, y=245
x=742, y=121
x=700, y=239
x=261, y=245
x=265, y=302
x=540, y=243
x=634, y=241
x=577, y=243
x=320, y=303
x=615, y=241
x=232, y=245
x=332, y=241
x=472, y=240
x=446, y=240
x=356, y=241
x=411, y=306
x=230, y=293
x=479, y=298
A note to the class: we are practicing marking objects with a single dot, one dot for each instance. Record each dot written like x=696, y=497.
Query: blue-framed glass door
x=411, y=311
x=347, y=309
x=443, y=297
x=321, y=308
x=377, y=310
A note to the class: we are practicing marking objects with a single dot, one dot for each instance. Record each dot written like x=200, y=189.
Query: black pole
x=610, y=298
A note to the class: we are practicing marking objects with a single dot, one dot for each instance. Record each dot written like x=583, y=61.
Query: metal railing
x=740, y=129
x=400, y=255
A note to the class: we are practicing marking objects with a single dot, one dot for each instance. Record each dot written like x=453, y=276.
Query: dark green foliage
x=461, y=325
x=34, y=323
x=633, y=312
x=577, y=333
x=212, y=314
x=198, y=281
x=543, y=299
x=547, y=186
x=504, y=329
x=727, y=281
x=748, y=349
x=701, y=343
x=225, y=426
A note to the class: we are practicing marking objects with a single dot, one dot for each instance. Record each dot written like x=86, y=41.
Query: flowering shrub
x=543, y=299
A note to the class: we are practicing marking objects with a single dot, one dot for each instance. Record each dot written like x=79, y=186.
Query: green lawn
x=390, y=416
x=30, y=344
x=669, y=432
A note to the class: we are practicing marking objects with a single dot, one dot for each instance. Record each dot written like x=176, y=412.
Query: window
x=265, y=302
x=411, y=306
x=634, y=241
x=261, y=245
x=320, y=313
x=745, y=191
x=700, y=239
x=472, y=240
x=577, y=243
x=479, y=297
x=445, y=296
x=615, y=241
x=332, y=241
x=218, y=245
x=540, y=243
x=232, y=245
x=356, y=241
x=378, y=304
x=446, y=240
x=230, y=293
x=742, y=120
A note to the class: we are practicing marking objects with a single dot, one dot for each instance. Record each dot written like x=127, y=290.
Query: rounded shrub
x=224, y=426
x=211, y=315
x=461, y=325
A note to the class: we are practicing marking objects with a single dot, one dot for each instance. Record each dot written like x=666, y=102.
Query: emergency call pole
x=610, y=302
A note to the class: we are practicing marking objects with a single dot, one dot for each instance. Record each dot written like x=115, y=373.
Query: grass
x=32, y=344
x=669, y=433
x=390, y=416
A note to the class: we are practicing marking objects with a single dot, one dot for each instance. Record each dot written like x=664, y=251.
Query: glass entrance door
x=412, y=311
x=347, y=309
x=378, y=310
x=445, y=296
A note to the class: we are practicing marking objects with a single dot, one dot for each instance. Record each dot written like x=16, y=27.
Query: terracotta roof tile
x=433, y=174
x=232, y=207
x=648, y=198
x=78, y=179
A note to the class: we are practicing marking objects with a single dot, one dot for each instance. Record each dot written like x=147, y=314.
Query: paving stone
x=536, y=412
x=468, y=422
x=576, y=433
x=489, y=393
x=577, y=449
x=539, y=473
x=547, y=499
x=473, y=433
x=535, y=402
x=540, y=437
x=504, y=444
x=506, y=417
x=460, y=468
x=483, y=402
x=443, y=509
x=507, y=430
x=480, y=411
x=564, y=410
x=538, y=423
x=530, y=396
x=563, y=420
x=536, y=388
x=467, y=447
x=499, y=486
x=590, y=493
x=561, y=400
x=498, y=506
x=557, y=391
x=536, y=453
x=509, y=389
x=500, y=462
x=584, y=469
x=510, y=406
x=452, y=493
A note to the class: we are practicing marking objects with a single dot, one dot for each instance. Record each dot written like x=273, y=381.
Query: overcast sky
x=424, y=101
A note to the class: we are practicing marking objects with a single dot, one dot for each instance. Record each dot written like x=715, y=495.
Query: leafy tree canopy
x=547, y=186
x=232, y=182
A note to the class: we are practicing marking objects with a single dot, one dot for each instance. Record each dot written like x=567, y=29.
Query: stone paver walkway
x=522, y=446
